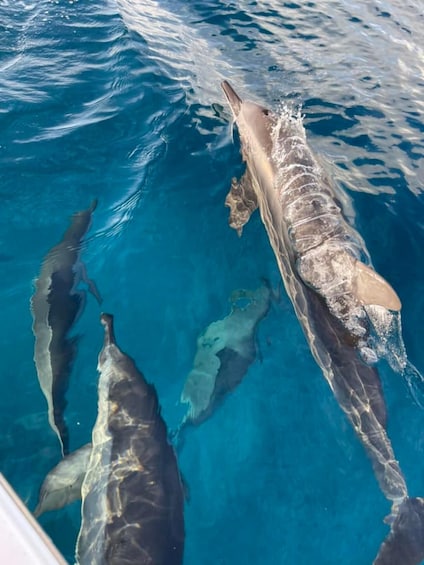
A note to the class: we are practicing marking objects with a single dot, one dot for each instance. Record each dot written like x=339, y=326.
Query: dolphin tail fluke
x=405, y=542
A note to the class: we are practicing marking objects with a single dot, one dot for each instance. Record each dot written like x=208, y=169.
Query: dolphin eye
x=265, y=112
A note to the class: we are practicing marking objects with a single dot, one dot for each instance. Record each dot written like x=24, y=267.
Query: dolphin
x=132, y=493
x=347, y=311
x=225, y=350
x=62, y=484
x=55, y=305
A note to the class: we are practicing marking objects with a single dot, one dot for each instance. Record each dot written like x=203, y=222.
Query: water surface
x=121, y=101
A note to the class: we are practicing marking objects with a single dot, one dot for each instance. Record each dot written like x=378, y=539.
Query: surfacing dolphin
x=132, y=494
x=349, y=313
x=55, y=306
x=225, y=351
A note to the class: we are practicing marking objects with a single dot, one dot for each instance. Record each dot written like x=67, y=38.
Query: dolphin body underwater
x=128, y=477
x=225, y=351
x=132, y=494
x=55, y=305
x=348, y=312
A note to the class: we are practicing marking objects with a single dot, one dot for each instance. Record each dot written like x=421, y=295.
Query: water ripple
x=121, y=100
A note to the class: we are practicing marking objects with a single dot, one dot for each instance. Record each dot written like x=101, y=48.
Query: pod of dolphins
x=128, y=477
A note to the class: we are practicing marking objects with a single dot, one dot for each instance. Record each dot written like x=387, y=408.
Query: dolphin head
x=79, y=224
x=255, y=124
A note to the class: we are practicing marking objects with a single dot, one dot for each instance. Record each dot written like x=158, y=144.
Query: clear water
x=121, y=101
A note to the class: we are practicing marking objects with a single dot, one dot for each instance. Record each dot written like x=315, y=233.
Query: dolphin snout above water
x=233, y=98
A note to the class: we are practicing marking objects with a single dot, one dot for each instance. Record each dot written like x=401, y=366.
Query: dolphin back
x=132, y=509
x=225, y=351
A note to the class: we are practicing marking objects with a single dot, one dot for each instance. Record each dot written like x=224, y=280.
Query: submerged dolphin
x=132, y=495
x=348, y=312
x=225, y=350
x=62, y=484
x=55, y=306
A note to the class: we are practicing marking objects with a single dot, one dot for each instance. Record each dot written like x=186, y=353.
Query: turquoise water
x=121, y=101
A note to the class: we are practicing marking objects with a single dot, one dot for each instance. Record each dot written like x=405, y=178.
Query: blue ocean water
x=121, y=101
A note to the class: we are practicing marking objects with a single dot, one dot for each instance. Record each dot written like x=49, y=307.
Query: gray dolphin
x=55, y=306
x=225, y=350
x=347, y=311
x=62, y=484
x=132, y=495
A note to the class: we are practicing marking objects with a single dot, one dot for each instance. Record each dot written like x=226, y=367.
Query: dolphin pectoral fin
x=92, y=288
x=371, y=288
x=242, y=202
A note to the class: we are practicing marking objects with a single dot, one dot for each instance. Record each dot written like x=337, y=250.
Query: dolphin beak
x=233, y=98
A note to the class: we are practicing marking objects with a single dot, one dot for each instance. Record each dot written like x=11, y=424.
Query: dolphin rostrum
x=348, y=312
x=132, y=494
x=55, y=306
x=225, y=350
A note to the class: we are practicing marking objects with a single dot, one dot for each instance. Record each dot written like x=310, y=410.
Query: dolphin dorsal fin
x=371, y=288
